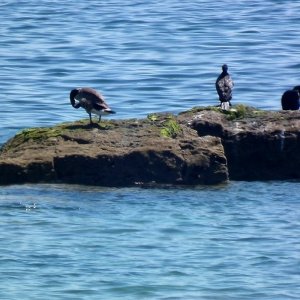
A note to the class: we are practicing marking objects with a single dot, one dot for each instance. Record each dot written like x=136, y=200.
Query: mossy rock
x=32, y=134
x=153, y=117
x=171, y=128
x=197, y=109
x=241, y=111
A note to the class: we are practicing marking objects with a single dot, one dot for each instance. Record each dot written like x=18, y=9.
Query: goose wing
x=94, y=97
x=91, y=95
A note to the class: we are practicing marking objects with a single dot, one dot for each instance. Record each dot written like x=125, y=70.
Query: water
x=221, y=242
x=239, y=241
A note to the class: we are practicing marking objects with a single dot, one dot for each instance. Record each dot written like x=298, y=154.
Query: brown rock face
x=200, y=146
x=157, y=150
x=258, y=145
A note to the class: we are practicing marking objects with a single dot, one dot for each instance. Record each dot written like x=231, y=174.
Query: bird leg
x=99, y=118
x=90, y=115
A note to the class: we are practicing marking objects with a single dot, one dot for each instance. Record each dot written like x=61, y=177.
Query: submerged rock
x=200, y=146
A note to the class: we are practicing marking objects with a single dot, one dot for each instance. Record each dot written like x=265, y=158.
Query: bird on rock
x=224, y=86
x=290, y=99
x=91, y=100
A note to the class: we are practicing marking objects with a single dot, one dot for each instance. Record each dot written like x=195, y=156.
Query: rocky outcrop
x=258, y=145
x=200, y=146
x=156, y=150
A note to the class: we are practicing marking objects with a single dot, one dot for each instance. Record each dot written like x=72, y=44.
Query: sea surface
x=234, y=241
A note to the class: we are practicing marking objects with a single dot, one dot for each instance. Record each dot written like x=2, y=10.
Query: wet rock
x=156, y=150
x=258, y=145
x=199, y=146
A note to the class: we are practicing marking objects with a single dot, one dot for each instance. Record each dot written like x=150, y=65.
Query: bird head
x=73, y=95
x=224, y=68
x=297, y=88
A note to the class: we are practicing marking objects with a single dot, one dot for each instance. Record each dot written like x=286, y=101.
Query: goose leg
x=90, y=115
x=99, y=118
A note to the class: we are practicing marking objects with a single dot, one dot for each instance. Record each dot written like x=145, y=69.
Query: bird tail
x=109, y=111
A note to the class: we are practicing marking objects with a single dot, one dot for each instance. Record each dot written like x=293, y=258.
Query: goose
x=91, y=100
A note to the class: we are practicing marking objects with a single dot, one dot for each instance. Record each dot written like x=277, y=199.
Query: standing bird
x=290, y=99
x=92, y=101
x=224, y=86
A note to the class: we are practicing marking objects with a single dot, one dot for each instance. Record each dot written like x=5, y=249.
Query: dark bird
x=92, y=101
x=290, y=99
x=224, y=86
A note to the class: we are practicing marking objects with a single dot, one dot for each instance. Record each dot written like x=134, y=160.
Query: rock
x=156, y=150
x=200, y=146
x=258, y=145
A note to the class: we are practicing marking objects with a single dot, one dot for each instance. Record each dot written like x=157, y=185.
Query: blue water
x=226, y=242
x=238, y=241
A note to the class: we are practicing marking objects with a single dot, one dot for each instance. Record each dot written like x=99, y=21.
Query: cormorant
x=224, y=85
x=290, y=99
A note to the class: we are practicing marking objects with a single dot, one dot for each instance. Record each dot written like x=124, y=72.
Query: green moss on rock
x=241, y=111
x=153, y=117
x=33, y=134
x=171, y=128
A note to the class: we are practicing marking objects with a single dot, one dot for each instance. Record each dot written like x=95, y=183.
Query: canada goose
x=92, y=101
